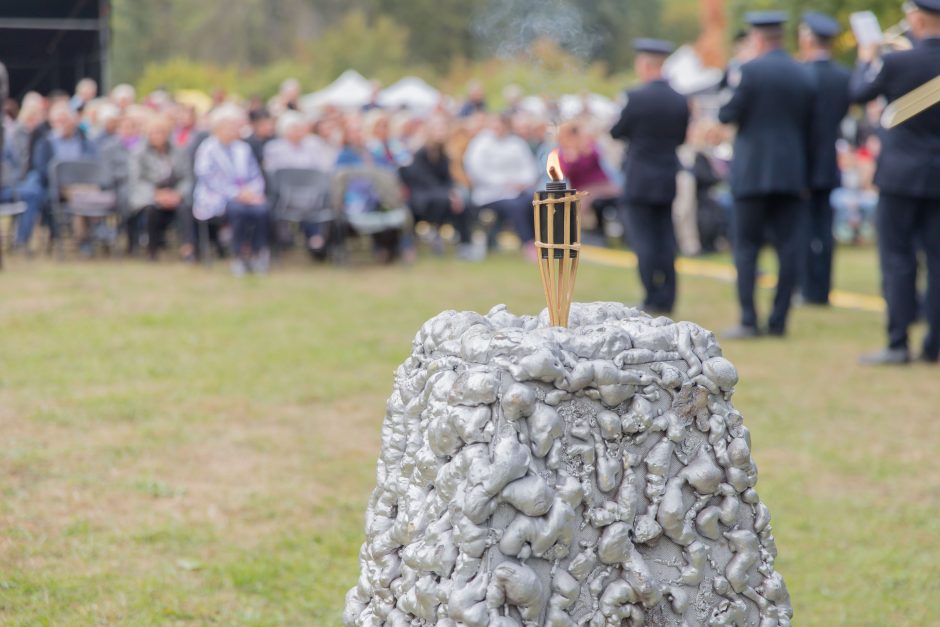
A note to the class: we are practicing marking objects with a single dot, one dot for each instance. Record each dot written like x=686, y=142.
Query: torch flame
x=553, y=166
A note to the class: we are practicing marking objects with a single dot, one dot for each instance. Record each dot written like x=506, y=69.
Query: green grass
x=180, y=447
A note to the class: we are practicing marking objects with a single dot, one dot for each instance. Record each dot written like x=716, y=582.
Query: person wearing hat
x=908, y=177
x=772, y=106
x=653, y=122
x=816, y=34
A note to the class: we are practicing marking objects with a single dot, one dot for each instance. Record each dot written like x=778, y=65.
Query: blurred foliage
x=545, y=70
x=180, y=73
x=889, y=13
x=249, y=46
x=375, y=47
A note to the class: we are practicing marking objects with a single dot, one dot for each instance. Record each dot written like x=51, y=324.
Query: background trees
x=252, y=44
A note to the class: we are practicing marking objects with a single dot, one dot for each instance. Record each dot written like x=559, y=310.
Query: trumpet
x=896, y=38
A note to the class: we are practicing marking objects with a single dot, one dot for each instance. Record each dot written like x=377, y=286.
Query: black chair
x=10, y=209
x=97, y=203
x=302, y=196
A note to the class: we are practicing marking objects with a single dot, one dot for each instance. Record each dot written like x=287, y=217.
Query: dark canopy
x=51, y=44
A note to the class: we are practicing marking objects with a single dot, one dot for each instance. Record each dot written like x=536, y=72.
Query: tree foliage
x=265, y=40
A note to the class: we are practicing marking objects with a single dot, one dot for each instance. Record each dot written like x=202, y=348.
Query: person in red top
x=581, y=162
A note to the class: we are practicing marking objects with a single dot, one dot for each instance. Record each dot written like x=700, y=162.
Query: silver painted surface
x=592, y=475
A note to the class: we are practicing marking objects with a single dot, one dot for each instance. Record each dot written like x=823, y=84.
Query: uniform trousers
x=654, y=242
x=902, y=222
x=777, y=216
x=816, y=275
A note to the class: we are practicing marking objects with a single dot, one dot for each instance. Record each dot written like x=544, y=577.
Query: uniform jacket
x=832, y=104
x=221, y=172
x=654, y=123
x=909, y=163
x=773, y=108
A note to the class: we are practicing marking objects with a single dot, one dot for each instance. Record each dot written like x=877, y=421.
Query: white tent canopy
x=571, y=105
x=410, y=93
x=350, y=91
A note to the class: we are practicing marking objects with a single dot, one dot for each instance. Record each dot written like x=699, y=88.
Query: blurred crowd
x=243, y=178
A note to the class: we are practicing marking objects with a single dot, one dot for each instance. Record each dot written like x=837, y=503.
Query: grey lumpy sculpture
x=592, y=475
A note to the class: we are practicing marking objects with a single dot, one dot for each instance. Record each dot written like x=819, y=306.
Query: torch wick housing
x=558, y=241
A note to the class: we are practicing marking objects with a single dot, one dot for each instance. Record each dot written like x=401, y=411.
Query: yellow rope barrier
x=725, y=273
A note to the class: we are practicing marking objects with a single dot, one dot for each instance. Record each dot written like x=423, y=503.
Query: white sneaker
x=261, y=262
x=239, y=268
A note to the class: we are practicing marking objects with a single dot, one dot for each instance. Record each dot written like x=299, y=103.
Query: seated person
x=353, y=152
x=372, y=205
x=386, y=150
x=19, y=182
x=502, y=172
x=229, y=184
x=580, y=160
x=114, y=147
x=296, y=148
x=855, y=201
x=64, y=142
x=435, y=196
x=159, y=182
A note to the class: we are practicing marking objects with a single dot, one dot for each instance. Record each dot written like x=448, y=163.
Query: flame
x=553, y=166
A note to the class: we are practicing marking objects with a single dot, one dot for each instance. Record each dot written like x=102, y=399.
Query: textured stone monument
x=591, y=475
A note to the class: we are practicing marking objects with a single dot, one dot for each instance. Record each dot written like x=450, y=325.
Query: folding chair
x=95, y=203
x=302, y=196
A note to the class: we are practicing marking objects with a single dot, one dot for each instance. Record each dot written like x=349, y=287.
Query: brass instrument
x=910, y=104
x=896, y=39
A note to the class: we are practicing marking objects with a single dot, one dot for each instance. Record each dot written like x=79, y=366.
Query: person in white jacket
x=503, y=173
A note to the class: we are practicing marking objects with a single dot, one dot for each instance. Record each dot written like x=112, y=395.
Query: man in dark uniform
x=908, y=177
x=832, y=103
x=654, y=123
x=773, y=108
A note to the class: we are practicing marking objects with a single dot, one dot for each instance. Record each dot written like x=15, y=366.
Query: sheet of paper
x=866, y=28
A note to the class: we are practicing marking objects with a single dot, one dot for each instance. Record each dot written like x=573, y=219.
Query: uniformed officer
x=654, y=123
x=772, y=106
x=908, y=177
x=832, y=103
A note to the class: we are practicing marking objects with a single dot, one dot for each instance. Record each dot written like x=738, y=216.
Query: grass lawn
x=181, y=447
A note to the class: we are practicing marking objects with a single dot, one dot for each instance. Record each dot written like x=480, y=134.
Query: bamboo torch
x=557, y=240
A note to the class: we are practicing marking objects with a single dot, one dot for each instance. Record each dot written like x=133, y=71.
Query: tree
x=376, y=47
x=441, y=29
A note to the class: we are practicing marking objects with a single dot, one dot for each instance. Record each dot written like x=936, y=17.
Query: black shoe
x=741, y=332
x=886, y=357
x=929, y=358
x=776, y=332
x=654, y=311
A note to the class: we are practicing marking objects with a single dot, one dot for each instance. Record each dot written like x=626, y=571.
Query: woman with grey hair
x=295, y=147
x=229, y=184
x=159, y=182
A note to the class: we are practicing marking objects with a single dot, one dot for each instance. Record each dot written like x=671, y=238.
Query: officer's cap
x=765, y=19
x=653, y=46
x=822, y=25
x=932, y=6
